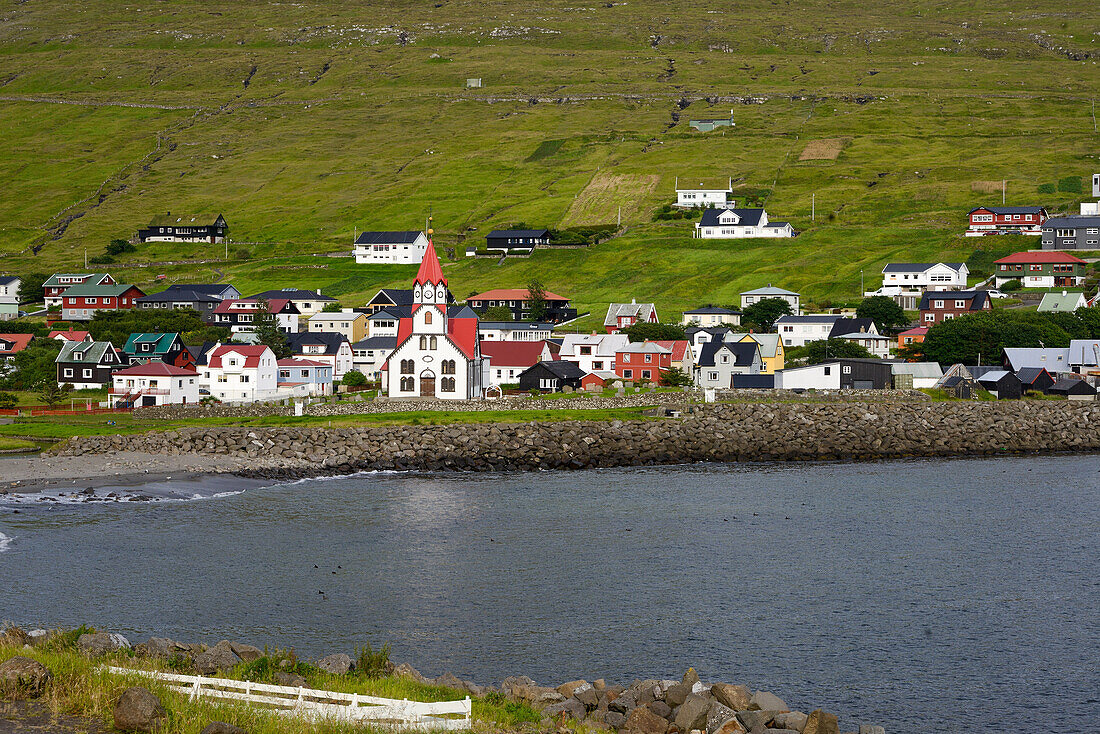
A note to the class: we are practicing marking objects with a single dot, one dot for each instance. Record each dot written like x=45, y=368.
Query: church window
x=432, y=343
x=427, y=317
x=406, y=366
x=423, y=343
x=447, y=384
x=448, y=367
x=407, y=384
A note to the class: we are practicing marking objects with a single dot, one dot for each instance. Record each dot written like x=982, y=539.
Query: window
x=448, y=367
x=1066, y=233
x=846, y=370
x=646, y=375
x=447, y=384
x=423, y=343
x=427, y=317
x=1035, y=268
x=628, y=373
x=407, y=384
x=725, y=359
x=245, y=378
x=937, y=304
x=305, y=373
x=87, y=373
x=713, y=376
x=828, y=370
x=597, y=365
x=960, y=304
x=649, y=358
x=432, y=343
x=586, y=350
x=931, y=317
x=284, y=374
x=406, y=366
x=68, y=372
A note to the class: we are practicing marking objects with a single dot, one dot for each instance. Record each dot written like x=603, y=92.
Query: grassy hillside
x=305, y=122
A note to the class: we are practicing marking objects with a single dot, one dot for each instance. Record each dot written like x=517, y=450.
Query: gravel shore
x=23, y=474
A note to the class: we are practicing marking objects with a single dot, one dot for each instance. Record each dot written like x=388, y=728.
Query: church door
x=427, y=384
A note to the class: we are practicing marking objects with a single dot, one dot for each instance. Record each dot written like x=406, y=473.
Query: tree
x=884, y=311
x=7, y=400
x=764, y=313
x=117, y=326
x=823, y=350
x=497, y=313
x=267, y=331
x=675, y=378
x=333, y=307
x=30, y=287
x=354, y=378
x=33, y=367
x=536, y=300
x=985, y=335
x=52, y=394
x=646, y=331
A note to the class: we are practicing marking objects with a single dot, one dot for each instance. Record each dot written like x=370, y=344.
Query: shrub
x=1012, y=285
x=7, y=400
x=118, y=247
x=1070, y=185
x=372, y=663
x=354, y=378
x=101, y=260
x=1047, y=188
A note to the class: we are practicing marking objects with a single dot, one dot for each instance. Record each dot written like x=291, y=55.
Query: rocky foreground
x=684, y=706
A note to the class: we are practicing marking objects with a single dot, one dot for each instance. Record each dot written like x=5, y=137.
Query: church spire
x=430, y=286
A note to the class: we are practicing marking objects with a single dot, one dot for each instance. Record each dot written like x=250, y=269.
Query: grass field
x=306, y=122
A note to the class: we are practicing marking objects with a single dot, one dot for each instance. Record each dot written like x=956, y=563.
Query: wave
x=5, y=542
x=147, y=494
x=334, y=477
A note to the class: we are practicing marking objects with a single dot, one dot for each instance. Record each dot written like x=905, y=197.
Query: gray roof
x=93, y=352
x=768, y=290
x=994, y=376
x=560, y=368
x=330, y=339
x=1063, y=302
x=917, y=369
x=846, y=326
x=1084, y=351
x=504, y=233
x=1028, y=375
x=181, y=295
x=388, y=238
x=376, y=342
x=917, y=267
x=1071, y=222
x=1072, y=386
x=294, y=294
x=980, y=371
x=1053, y=359
x=6, y=279
x=615, y=310
x=748, y=217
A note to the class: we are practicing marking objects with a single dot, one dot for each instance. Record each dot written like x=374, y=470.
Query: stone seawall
x=724, y=432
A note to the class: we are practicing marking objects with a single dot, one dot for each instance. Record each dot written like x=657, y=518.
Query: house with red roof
x=240, y=373
x=987, y=220
x=242, y=314
x=438, y=353
x=71, y=335
x=912, y=336
x=1047, y=269
x=681, y=353
x=518, y=301
x=508, y=359
x=12, y=344
x=153, y=383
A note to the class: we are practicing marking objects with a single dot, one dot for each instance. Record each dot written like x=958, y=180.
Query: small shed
x=1073, y=388
x=552, y=376
x=598, y=380
x=752, y=382
x=1036, y=379
x=1003, y=384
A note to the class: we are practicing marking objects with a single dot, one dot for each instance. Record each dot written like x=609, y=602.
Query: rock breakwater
x=720, y=433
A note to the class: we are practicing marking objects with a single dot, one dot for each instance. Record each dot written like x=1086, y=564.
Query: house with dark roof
x=390, y=248
x=87, y=365
x=81, y=302
x=1035, y=379
x=727, y=223
x=368, y=355
x=986, y=220
x=1002, y=384
x=864, y=333
x=864, y=374
x=1071, y=233
x=1040, y=270
x=167, y=348
x=719, y=360
x=506, y=239
x=307, y=302
x=202, y=297
x=939, y=306
x=711, y=316
x=517, y=300
x=905, y=282
x=170, y=227
x=332, y=348
x=1073, y=388
x=551, y=376
x=241, y=315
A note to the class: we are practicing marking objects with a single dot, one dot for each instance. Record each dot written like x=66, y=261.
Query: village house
x=507, y=360
x=167, y=348
x=624, y=315
x=307, y=302
x=81, y=302
x=514, y=331
x=915, y=375
x=711, y=316
x=388, y=297
x=642, y=361
x=202, y=297
x=597, y=381
x=719, y=360
x=1035, y=379
x=352, y=324
x=9, y=297
x=70, y=335
x=729, y=223
x=906, y=282
x=390, y=248
x=1073, y=388
x=332, y=349
x=239, y=373
x=693, y=198
x=1072, y=233
x=864, y=374
x=506, y=239
x=87, y=365
x=939, y=306
x=825, y=376
x=438, y=353
x=986, y=220
x=385, y=321
x=169, y=228
x=516, y=300
x=58, y=283
x=756, y=295
x=772, y=352
x=1040, y=270
x=155, y=383
x=368, y=355
x=12, y=344
x=1002, y=384
x=593, y=352
x=1064, y=302
x=301, y=377
x=1053, y=359
x=797, y=331
x=912, y=336
x=864, y=333
x=551, y=376
x=682, y=357
x=242, y=315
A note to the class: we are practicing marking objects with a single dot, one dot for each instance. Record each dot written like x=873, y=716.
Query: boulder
x=692, y=713
x=219, y=657
x=101, y=643
x=570, y=708
x=614, y=719
x=756, y=719
x=718, y=715
x=537, y=696
x=36, y=638
x=599, y=684
x=247, y=653
x=404, y=670
x=690, y=678
x=764, y=701
x=155, y=647
x=220, y=727
x=660, y=708
x=450, y=680
x=791, y=720
x=587, y=695
x=646, y=691
x=568, y=689
x=676, y=694
x=338, y=664
x=733, y=726
x=624, y=704
x=736, y=697
x=21, y=676
x=293, y=680
x=644, y=721
x=138, y=710
x=821, y=722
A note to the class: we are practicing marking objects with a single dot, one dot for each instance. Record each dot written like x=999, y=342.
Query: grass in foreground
x=81, y=687
x=14, y=444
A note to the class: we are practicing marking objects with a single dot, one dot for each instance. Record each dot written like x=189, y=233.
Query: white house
x=797, y=330
x=759, y=294
x=864, y=333
x=390, y=248
x=514, y=331
x=329, y=347
x=384, y=322
x=814, y=376
x=690, y=198
x=898, y=277
x=304, y=377
x=507, y=360
x=438, y=353
x=154, y=383
x=593, y=352
x=711, y=316
x=925, y=374
x=307, y=302
x=719, y=360
x=624, y=315
x=728, y=223
x=9, y=297
x=238, y=373
x=368, y=355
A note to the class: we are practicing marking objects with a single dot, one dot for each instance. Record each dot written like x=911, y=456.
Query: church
x=438, y=353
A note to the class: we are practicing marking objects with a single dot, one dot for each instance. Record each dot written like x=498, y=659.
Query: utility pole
x=1004, y=184
x=813, y=207
x=85, y=258
x=861, y=282
x=620, y=224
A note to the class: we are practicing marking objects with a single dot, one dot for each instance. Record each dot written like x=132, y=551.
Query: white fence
x=312, y=704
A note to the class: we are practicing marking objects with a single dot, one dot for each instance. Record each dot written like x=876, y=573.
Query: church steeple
x=430, y=286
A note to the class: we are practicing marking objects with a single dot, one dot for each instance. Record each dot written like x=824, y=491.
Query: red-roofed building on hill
x=10, y=344
x=517, y=301
x=153, y=383
x=438, y=353
x=71, y=335
x=1040, y=269
x=507, y=359
x=239, y=373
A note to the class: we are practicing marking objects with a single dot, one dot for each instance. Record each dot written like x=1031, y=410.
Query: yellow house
x=771, y=350
x=352, y=324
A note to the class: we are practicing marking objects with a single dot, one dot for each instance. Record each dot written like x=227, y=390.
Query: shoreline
x=124, y=469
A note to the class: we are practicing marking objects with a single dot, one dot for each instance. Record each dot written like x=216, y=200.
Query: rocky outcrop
x=23, y=677
x=721, y=432
x=101, y=643
x=218, y=658
x=138, y=710
x=338, y=664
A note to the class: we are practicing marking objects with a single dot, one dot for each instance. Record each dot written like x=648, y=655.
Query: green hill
x=304, y=122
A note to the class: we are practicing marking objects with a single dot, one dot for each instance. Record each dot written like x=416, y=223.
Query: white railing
x=312, y=704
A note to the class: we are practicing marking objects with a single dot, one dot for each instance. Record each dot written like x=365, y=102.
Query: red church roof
x=430, y=271
x=463, y=333
x=512, y=353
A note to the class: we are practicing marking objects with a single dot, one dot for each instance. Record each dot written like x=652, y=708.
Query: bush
x=7, y=400
x=354, y=378
x=119, y=247
x=101, y=260
x=1012, y=285
x=1070, y=185
x=371, y=663
x=1047, y=188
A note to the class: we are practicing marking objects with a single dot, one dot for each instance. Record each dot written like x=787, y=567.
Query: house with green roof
x=1063, y=302
x=58, y=283
x=157, y=347
x=80, y=302
x=87, y=365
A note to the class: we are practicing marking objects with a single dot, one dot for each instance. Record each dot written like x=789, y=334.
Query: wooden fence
x=315, y=705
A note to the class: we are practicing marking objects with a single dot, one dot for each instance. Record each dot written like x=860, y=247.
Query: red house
x=80, y=302
x=642, y=362
x=1006, y=220
x=939, y=306
x=58, y=283
x=624, y=315
x=912, y=336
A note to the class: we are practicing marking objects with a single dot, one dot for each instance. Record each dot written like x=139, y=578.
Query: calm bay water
x=927, y=596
